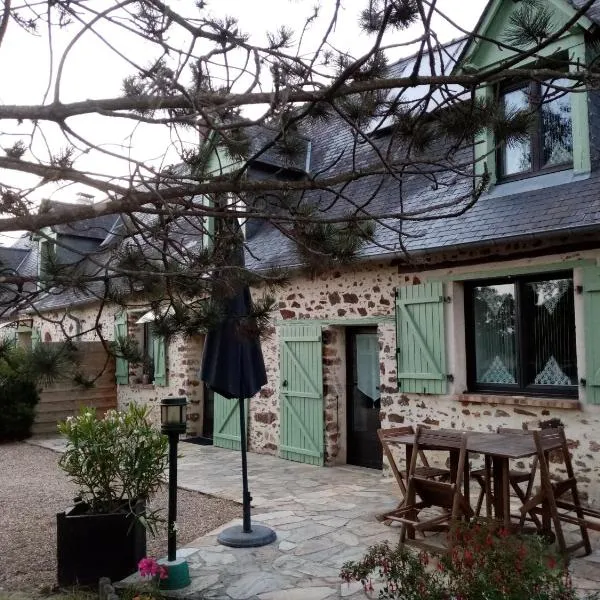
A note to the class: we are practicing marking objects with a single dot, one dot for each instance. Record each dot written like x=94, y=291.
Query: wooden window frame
x=535, y=138
x=521, y=388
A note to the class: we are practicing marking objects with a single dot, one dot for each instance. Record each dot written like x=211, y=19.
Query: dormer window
x=549, y=146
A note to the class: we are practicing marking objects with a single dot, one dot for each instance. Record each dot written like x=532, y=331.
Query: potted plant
x=147, y=370
x=118, y=463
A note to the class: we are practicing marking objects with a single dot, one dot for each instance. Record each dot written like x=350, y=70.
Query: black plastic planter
x=90, y=546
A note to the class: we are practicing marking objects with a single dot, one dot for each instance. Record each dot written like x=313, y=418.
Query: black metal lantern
x=173, y=423
x=173, y=415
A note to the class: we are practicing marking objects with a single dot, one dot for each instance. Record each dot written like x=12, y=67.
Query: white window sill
x=533, y=401
x=532, y=184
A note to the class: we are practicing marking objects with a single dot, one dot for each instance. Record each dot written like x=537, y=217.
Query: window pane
x=495, y=343
x=550, y=332
x=556, y=125
x=516, y=157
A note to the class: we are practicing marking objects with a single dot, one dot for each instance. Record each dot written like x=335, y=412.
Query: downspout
x=77, y=324
x=308, y=156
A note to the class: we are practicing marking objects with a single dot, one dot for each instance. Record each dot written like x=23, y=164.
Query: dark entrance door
x=363, y=406
x=208, y=413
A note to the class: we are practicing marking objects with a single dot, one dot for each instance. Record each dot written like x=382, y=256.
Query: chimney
x=85, y=198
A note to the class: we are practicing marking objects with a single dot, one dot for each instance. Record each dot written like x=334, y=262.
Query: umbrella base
x=235, y=537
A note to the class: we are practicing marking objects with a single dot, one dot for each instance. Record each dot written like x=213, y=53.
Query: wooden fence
x=64, y=398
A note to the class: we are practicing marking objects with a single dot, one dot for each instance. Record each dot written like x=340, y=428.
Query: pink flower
x=148, y=567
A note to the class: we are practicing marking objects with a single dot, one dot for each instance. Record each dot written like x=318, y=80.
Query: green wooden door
x=301, y=395
x=226, y=423
x=420, y=343
x=591, y=299
x=121, y=364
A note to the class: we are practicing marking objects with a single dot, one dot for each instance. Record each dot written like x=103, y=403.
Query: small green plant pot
x=178, y=574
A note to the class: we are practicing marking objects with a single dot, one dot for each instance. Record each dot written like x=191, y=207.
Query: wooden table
x=501, y=448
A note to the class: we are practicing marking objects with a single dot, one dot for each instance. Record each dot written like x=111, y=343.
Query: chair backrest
x=445, y=439
x=550, y=439
x=514, y=431
x=437, y=493
x=394, y=431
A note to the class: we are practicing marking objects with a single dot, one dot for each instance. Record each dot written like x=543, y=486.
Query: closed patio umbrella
x=233, y=366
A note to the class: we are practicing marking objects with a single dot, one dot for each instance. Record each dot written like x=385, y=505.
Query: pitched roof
x=11, y=258
x=94, y=228
x=593, y=13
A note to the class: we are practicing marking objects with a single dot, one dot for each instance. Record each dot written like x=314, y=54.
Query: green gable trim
x=580, y=117
x=493, y=24
x=523, y=270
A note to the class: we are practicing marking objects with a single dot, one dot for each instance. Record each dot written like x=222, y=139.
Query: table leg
x=410, y=532
x=488, y=486
x=501, y=490
x=506, y=493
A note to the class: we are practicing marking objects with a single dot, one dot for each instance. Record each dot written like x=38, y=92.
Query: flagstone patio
x=323, y=517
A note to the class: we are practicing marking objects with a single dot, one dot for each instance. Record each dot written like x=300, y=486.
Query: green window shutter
x=301, y=394
x=121, y=364
x=226, y=422
x=591, y=304
x=160, y=360
x=36, y=337
x=420, y=340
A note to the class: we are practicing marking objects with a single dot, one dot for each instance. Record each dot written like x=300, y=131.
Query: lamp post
x=173, y=419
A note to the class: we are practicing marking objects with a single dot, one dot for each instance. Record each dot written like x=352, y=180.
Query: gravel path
x=33, y=489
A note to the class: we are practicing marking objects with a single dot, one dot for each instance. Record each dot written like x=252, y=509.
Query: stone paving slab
x=323, y=517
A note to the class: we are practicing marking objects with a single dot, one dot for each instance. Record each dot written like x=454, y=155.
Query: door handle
x=284, y=383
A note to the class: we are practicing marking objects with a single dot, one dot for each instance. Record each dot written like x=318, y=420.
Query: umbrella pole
x=246, y=497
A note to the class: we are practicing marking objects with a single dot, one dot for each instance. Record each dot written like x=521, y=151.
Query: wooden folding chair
x=423, y=470
x=516, y=479
x=555, y=494
x=423, y=493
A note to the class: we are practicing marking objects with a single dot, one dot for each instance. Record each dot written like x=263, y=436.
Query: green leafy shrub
x=486, y=563
x=114, y=461
x=18, y=399
x=22, y=371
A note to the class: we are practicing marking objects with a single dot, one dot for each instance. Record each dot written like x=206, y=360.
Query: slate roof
x=94, y=228
x=593, y=13
x=536, y=214
x=11, y=258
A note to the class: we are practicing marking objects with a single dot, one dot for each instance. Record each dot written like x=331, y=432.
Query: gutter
x=495, y=243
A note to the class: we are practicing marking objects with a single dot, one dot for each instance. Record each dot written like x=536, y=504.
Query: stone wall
x=183, y=359
x=368, y=291
x=340, y=299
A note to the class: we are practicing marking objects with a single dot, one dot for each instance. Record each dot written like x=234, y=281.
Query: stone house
x=491, y=320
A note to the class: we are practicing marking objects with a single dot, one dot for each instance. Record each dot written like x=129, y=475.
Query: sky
x=93, y=70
